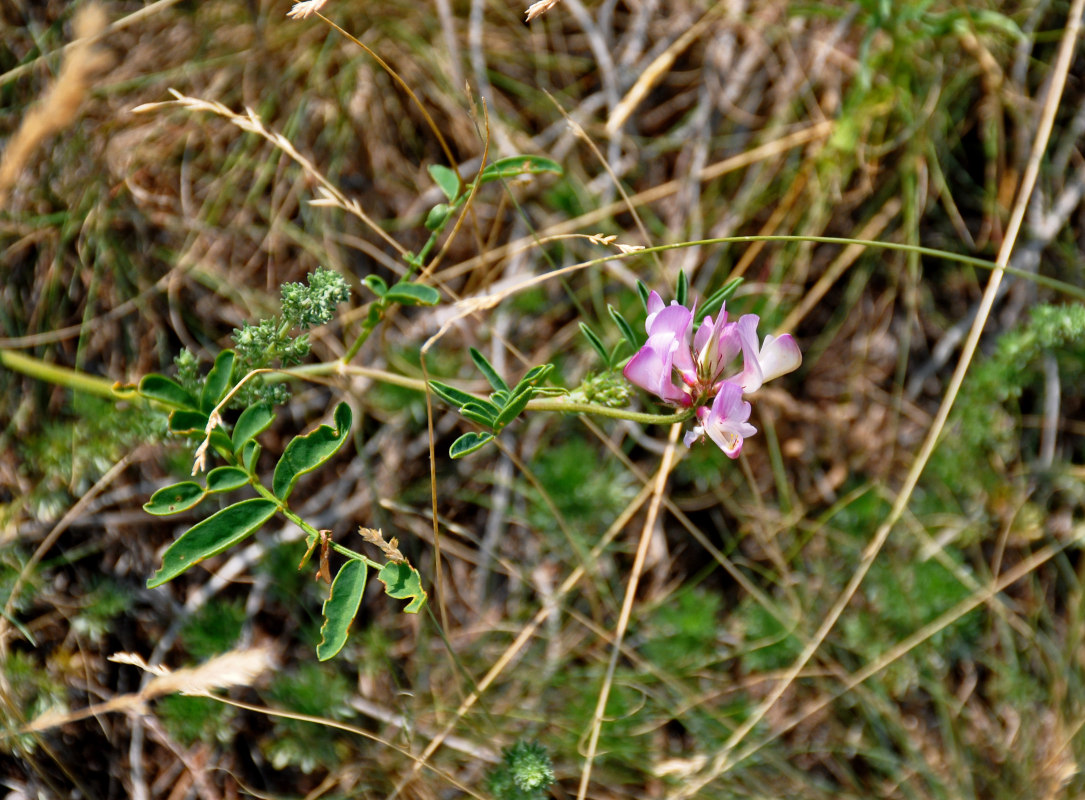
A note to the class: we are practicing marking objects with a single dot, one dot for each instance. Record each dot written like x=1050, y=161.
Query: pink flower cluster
x=700, y=376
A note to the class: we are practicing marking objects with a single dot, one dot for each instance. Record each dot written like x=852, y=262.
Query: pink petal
x=779, y=356
x=726, y=424
x=750, y=379
x=655, y=305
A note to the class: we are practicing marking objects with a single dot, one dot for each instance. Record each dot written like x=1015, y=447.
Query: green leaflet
x=517, y=403
x=402, y=581
x=487, y=369
x=457, y=398
x=413, y=294
x=165, y=390
x=253, y=421
x=225, y=479
x=512, y=166
x=185, y=421
x=213, y=535
x=341, y=607
x=174, y=499
x=446, y=179
x=469, y=443
x=218, y=381
x=306, y=453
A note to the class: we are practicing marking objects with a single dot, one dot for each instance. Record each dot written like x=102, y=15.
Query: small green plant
x=525, y=773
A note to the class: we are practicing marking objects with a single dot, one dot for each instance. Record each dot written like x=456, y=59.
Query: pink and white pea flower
x=725, y=423
x=669, y=367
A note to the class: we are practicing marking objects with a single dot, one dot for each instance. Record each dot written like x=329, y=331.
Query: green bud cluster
x=609, y=389
x=524, y=773
x=306, y=306
x=269, y=343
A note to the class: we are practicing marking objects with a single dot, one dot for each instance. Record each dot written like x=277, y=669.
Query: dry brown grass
x=59, y=106
x=147, y=232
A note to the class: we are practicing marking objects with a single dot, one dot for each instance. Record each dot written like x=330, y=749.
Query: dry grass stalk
x=538, y=9
x=235, y=668
x=59, y=106
x=305, y=9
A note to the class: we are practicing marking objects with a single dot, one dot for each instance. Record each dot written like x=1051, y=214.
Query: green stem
x=539, y=404
x=370, y=324
x=567, y=407
x=311, y=533
x=64, y=376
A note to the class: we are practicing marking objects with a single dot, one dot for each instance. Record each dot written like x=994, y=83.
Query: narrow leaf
x=402, y=581
x=446, y=179
x=457, y=398
x=682, y=290
x=166, y=390
x=174, y=499
x=716, y=300
x=226, y=479
x=512, y=409
x=306, y=453
x=413, y=294
x=213, y=535
x=624, y=327
x=534, y=376
x=596, y=343
x=487, y=369
x=253, y=421
x=341, y=608
x=642, y=290
x=512, y=166
x=469, y=443
x=484, y=410
x=218, y=381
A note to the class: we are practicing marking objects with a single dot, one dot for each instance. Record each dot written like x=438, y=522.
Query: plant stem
x=371, y=321
x=64, y=376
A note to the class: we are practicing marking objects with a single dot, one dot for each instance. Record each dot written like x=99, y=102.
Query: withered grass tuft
x=954, y=668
